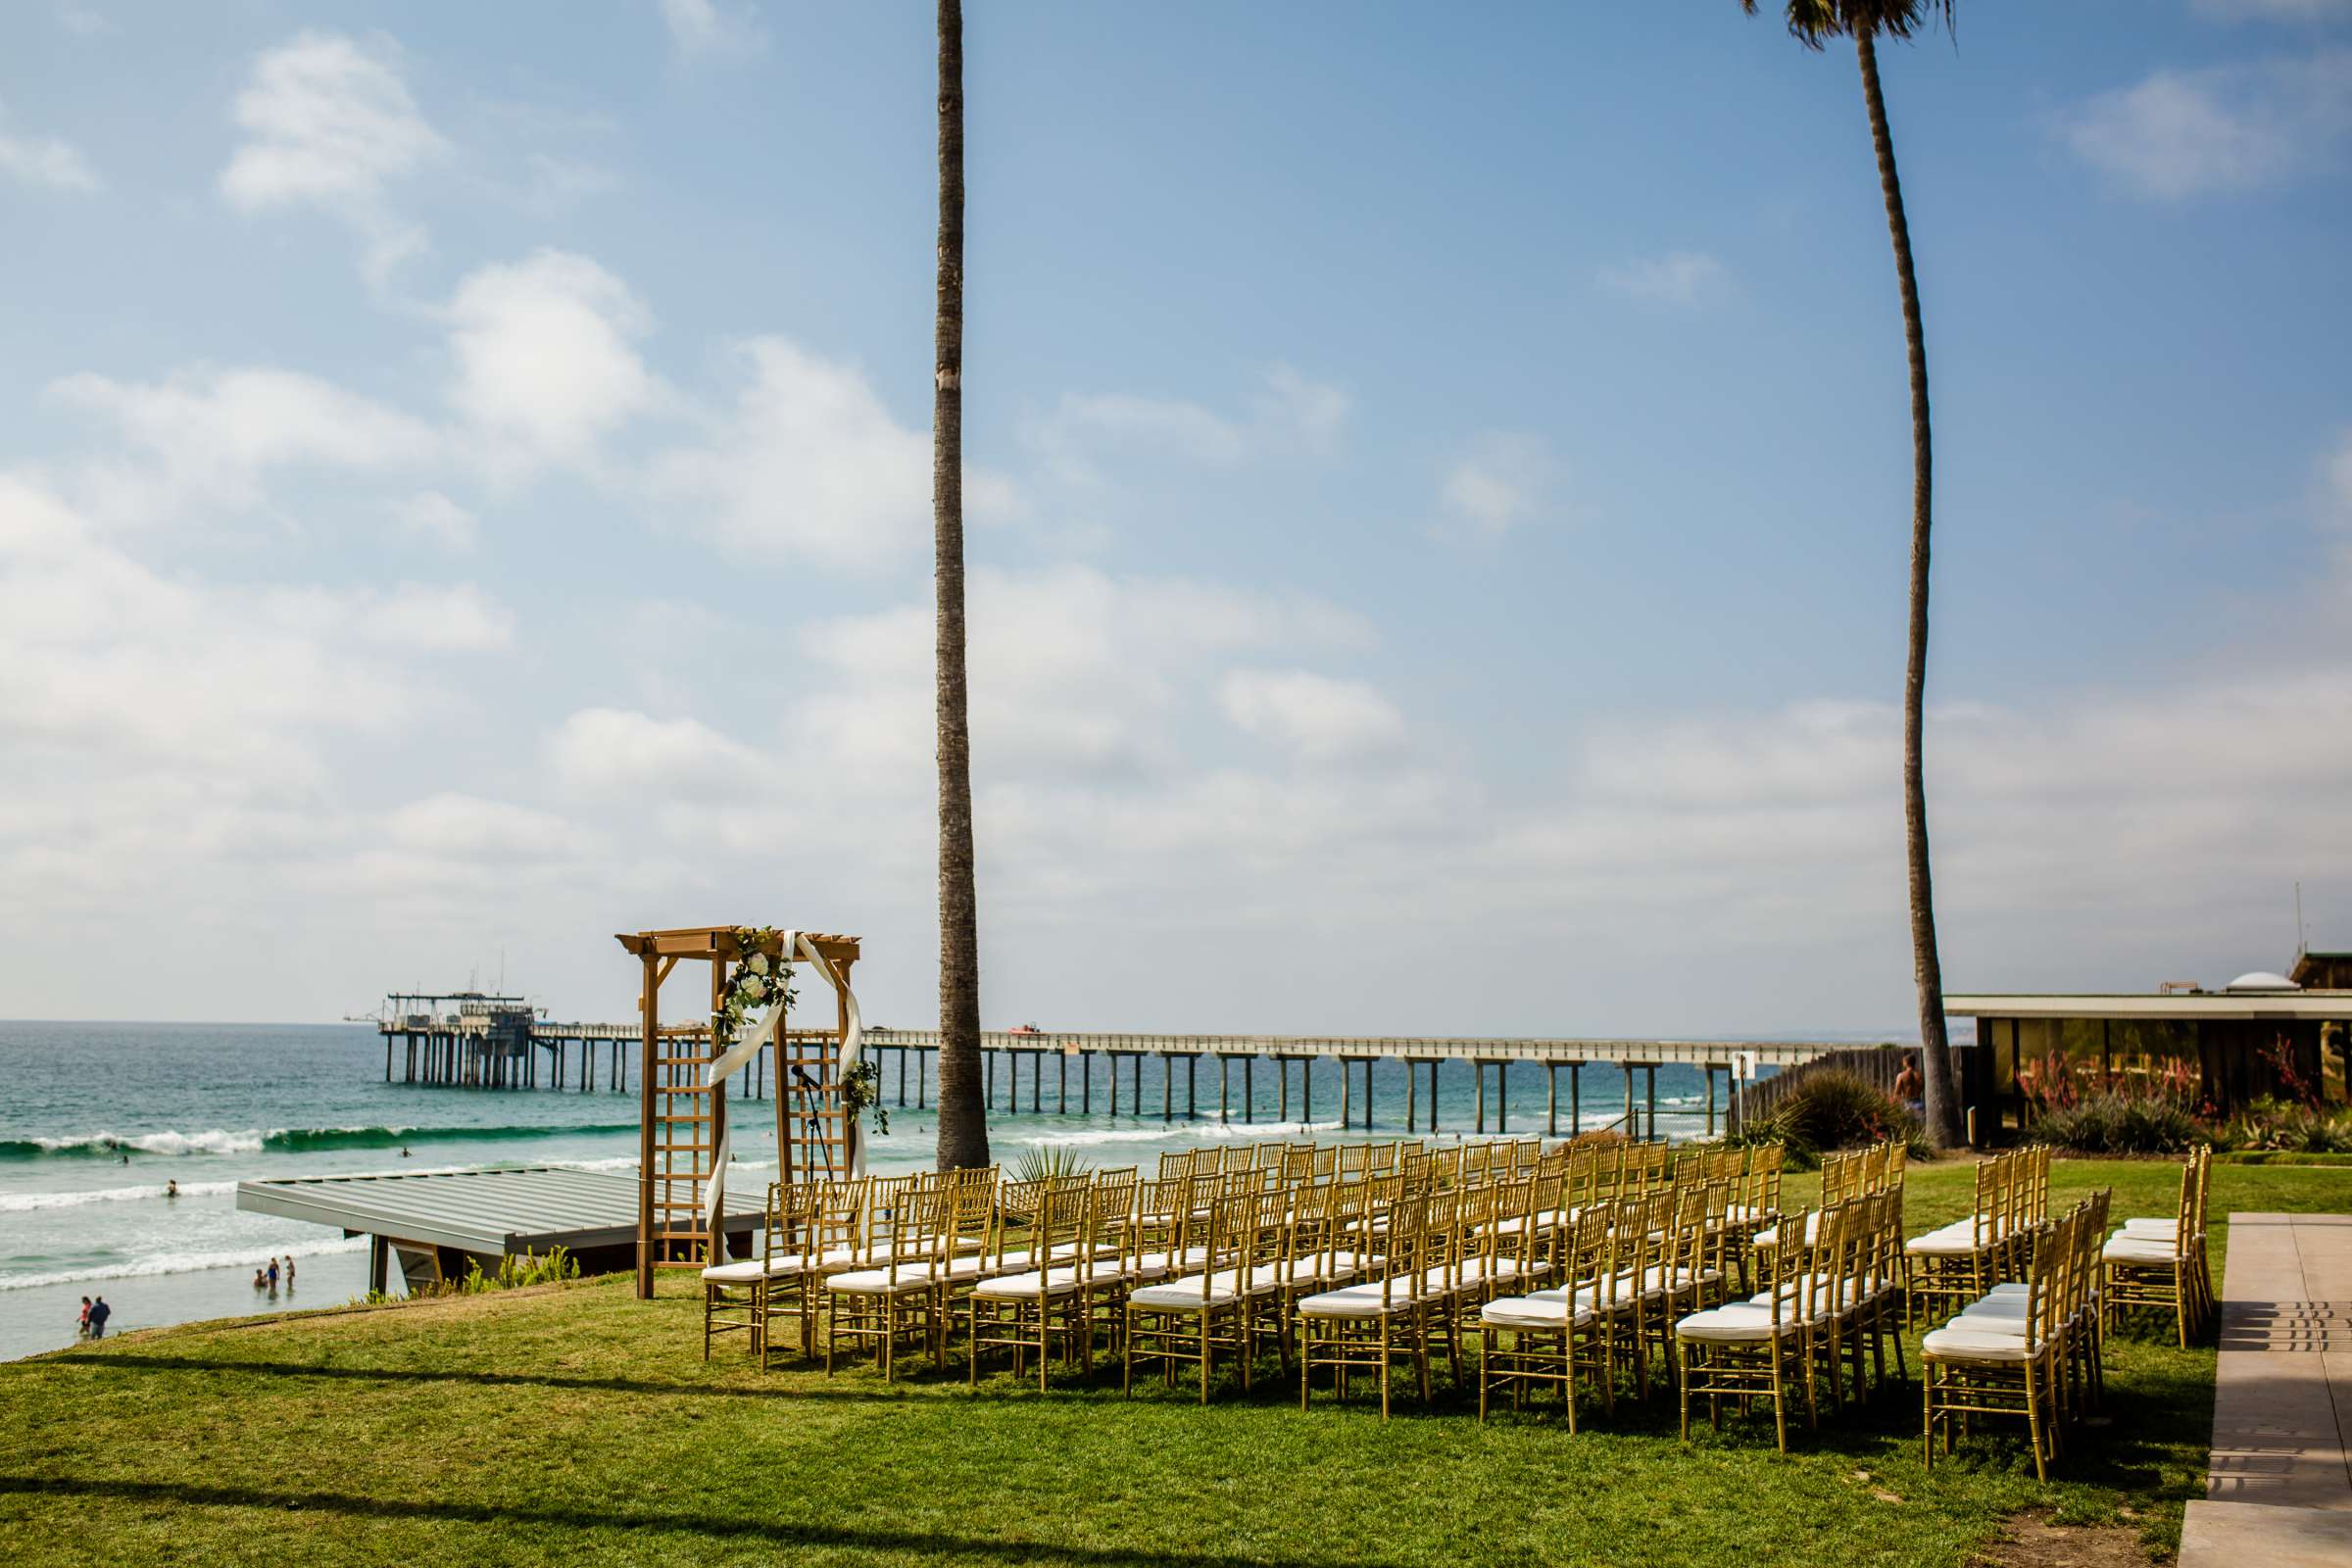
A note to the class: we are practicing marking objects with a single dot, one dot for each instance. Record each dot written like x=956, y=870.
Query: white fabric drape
x=796, y=949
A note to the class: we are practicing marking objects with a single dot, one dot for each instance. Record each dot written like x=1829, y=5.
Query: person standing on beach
x=83, y=1331
x=99, y=1314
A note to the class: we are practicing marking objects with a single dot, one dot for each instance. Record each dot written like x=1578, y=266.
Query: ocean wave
x=1169, y=1135
x=26, y=1202
x=139, y=1268
x=172, y=1142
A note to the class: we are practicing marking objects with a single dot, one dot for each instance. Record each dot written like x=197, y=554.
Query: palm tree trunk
x=1943, y=1111
x=962, y=1119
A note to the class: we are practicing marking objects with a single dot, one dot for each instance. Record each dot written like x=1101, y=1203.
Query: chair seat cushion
x=1361, y=1301
x=1959, y=1238
x=1740, y=1323
x=752, y=1269
x=1030, y=1286
x=910, y=1278
x=1971, y=1343
x=1548, y=1311
x=1212, y=1290
x=2138, y=1249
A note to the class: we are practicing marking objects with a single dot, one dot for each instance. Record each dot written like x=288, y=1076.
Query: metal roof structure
x=2250, y=1006
x=526, y=1209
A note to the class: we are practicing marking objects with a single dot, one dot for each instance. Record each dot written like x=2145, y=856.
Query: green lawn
x=569, y=1422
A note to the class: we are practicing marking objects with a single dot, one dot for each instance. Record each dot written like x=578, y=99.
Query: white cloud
x=704, y=29
x=618, y=753
x=459, y=617
x=1319, y=717
x=1495, y=486
x=1309, y=411
x=329, y=122
x=1074, y=671
x=212, y=435
x=46, y=161
x=450, y=822
x=1288, y=413
x=1678, y=278
x=107, y=658
x=2180, y=134
x=544, y=362
x=810, y=466
x=432, y=516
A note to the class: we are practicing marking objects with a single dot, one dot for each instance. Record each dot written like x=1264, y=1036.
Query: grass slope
x=564, y=1423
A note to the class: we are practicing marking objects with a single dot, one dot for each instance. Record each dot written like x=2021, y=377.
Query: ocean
x=95, y=1118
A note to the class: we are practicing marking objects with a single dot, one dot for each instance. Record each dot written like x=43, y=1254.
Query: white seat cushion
x=878, y=1280
x=753, y=1269
x=1549, y=1311
x=1970, y=1342
x=1358, y=1301
x=1956, y=1240
x=1029, y=1285
x=2137, y=1249
x=1740, y=1323
x=2165, y=1228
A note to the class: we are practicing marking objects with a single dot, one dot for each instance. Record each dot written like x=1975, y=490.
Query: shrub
x=2285, y=1126
x=1833, y=1109
x=1047, y=1163
x=2115, y=1122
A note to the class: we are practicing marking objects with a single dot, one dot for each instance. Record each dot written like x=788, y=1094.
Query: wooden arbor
x=682, y=1117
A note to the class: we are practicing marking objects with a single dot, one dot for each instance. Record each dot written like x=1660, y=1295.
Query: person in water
x=273, y=1276
x=99, y=1314
x=83, y=1331
x=261, y=1281
x=172, y=1189
x=289, y=1273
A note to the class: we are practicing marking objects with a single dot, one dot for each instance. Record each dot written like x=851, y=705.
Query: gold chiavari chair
x=887, y=1300
x=1630, y=1295
x=1761, y=1347
x=1366, y=1327
x=2163, y=1268
x=1959, y=1262
x=1044, y=1307
x=1968, y=1369
x=1548, y=1335
x=1185, y=1321
x=738, y=1296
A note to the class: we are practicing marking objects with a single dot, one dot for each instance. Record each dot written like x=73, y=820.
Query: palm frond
x=1810, y=21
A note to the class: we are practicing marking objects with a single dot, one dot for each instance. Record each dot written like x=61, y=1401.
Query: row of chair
x=2160, y=1263
x=2032, y=1346
x=1955, y=1264
x=1589, y=1271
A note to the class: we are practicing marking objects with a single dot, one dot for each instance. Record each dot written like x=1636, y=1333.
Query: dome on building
x=2262, y=980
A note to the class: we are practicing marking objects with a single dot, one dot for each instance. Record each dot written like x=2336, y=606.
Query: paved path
x=2278, y=1492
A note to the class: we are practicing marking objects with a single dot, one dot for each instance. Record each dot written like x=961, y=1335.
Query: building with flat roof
x=2287, y=1036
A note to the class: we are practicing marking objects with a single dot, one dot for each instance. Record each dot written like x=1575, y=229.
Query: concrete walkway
x=2278, y=1492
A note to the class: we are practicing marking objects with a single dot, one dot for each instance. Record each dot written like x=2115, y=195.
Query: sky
x=1437, y=485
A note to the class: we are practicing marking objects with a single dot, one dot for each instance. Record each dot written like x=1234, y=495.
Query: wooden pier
x=1357, y=1080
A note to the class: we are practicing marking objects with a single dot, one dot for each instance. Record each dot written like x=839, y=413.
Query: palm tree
x=1864, y=21
x=963, y=1118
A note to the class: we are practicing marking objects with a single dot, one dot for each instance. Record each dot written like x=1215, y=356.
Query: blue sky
x=1440, y=504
